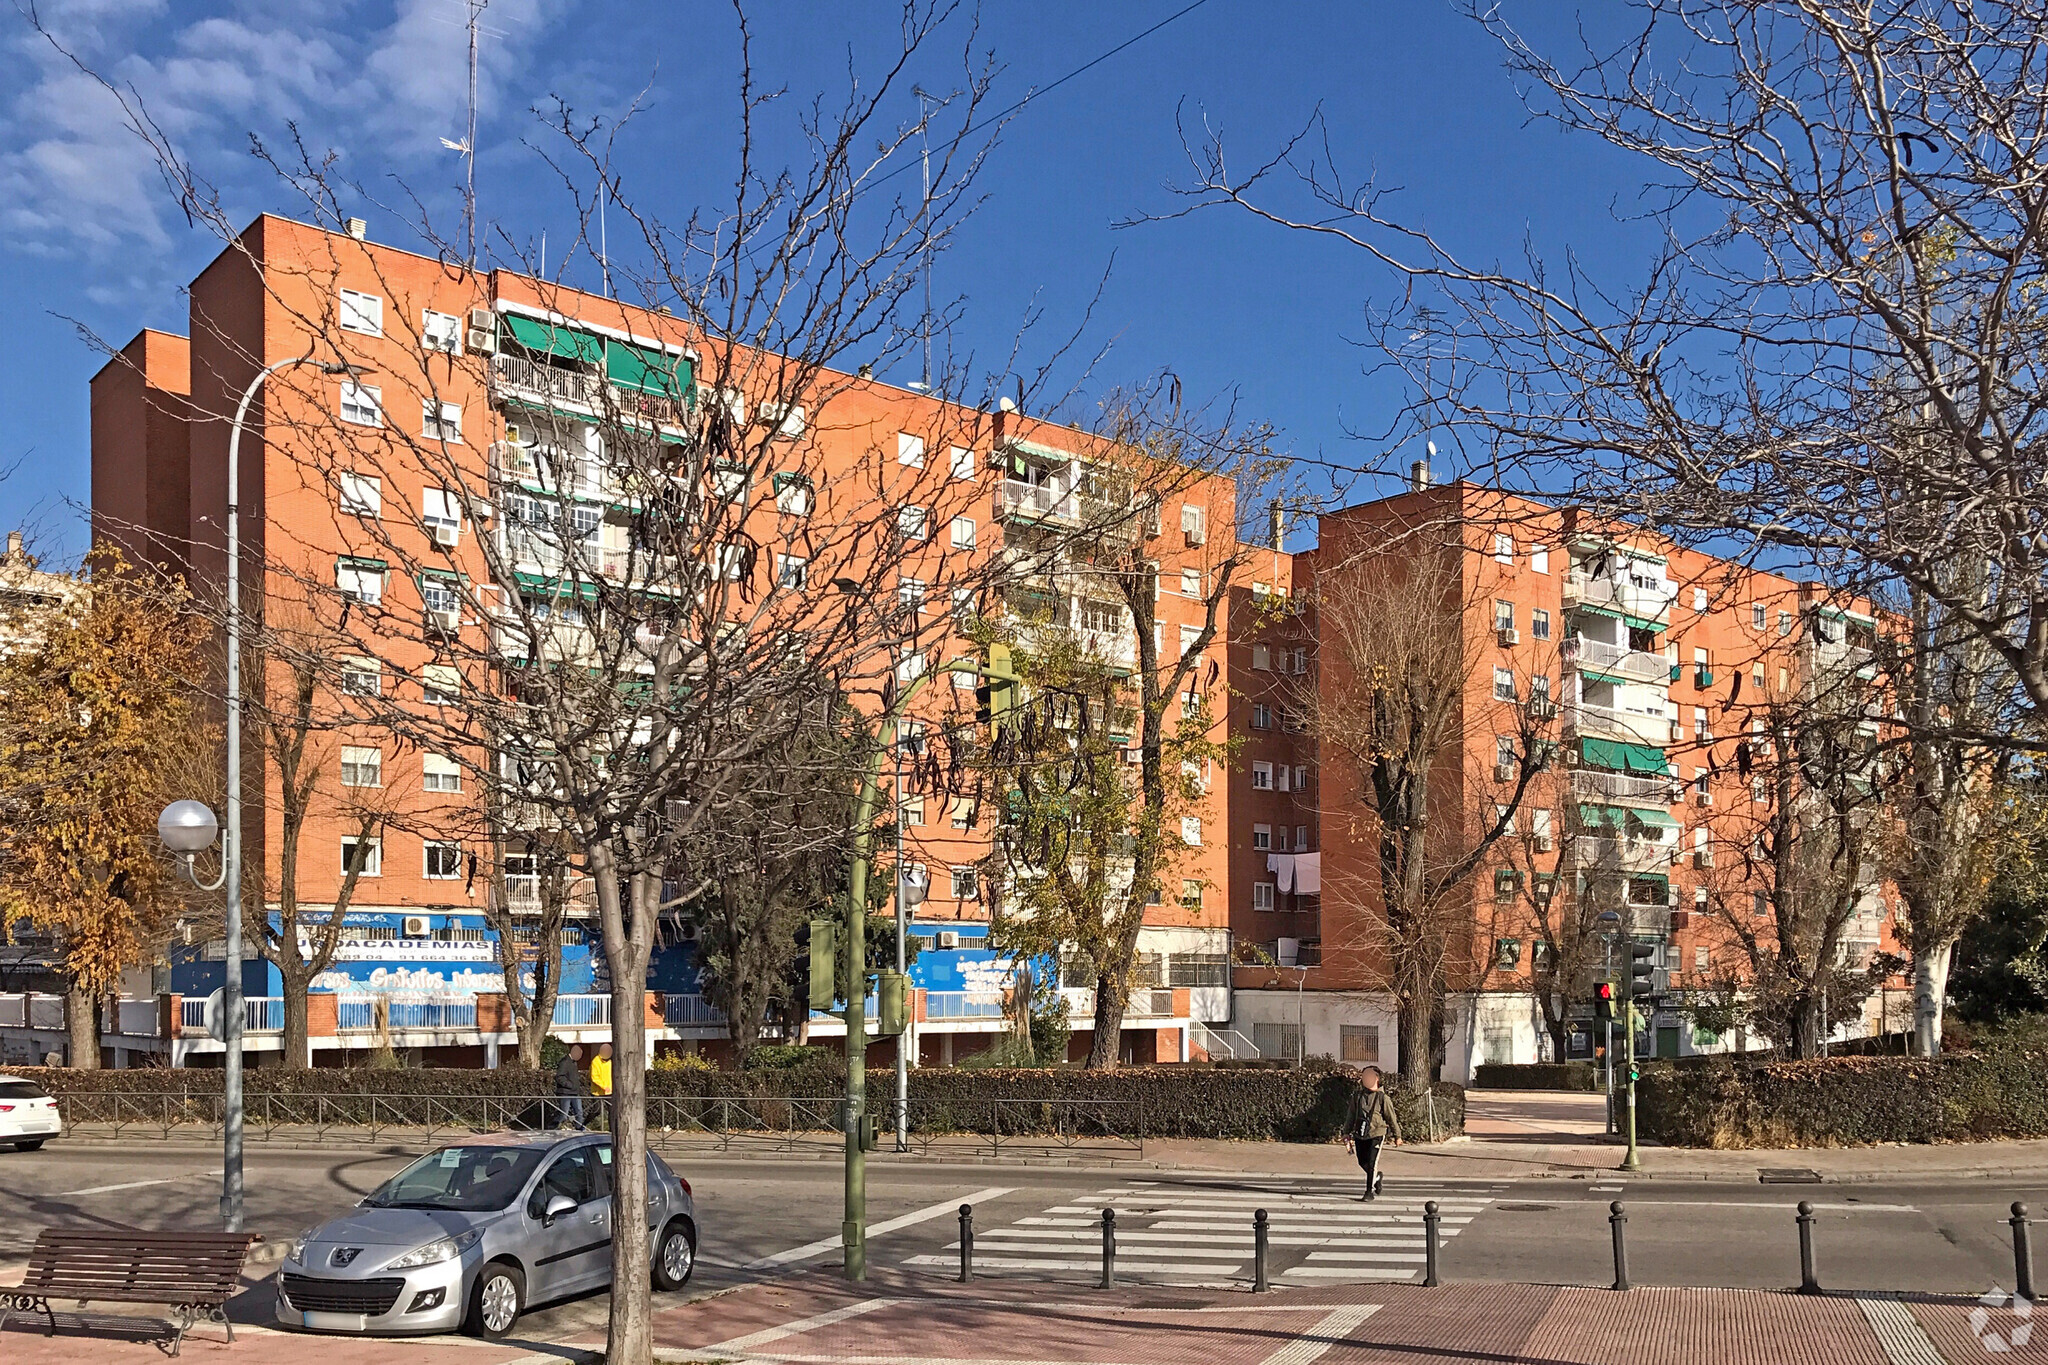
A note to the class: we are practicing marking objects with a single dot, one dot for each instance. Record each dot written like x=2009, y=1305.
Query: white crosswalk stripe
x=1317, y=1230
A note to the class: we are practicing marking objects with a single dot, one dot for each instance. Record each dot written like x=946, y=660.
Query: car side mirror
x=557, y=1205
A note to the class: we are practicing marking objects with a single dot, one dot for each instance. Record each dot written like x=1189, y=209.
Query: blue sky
x=1411, y=92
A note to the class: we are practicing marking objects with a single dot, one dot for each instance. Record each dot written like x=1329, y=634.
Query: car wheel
x=675, y=1256
x=496, y=1300
x=30, y=1145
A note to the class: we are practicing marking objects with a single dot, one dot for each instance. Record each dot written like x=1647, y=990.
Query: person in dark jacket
x=569, y=1085
x=1370, y=1124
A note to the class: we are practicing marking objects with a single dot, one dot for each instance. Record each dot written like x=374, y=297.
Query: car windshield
x=475, y=1179
x=22, y=1090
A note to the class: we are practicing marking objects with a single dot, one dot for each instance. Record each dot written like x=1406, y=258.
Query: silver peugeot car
x=471, y=1234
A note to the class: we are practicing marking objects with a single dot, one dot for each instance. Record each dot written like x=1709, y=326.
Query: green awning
x=559, y=588
x=546, y=338
x=1619, y=817
x=1617, y=757
x=1639, y=622
x=1656, y=879
x=649, y=371
x=1655, y=819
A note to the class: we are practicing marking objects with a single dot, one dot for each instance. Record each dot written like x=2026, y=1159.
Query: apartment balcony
x=1621, y=855
x=1615, y=661
x=947, y=1005
x=1016, y=500
x=1631, y=789
x=690, y=1011
x=1605, y=722
x=1646, y=599
x=515, y=376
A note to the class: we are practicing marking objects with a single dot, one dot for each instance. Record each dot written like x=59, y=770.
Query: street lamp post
x=182, y=824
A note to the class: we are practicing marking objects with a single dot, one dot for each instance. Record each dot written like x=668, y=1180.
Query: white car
x=28, y=1116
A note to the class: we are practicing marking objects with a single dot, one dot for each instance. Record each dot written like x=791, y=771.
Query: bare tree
x=1541, y=897
x=1396, y=708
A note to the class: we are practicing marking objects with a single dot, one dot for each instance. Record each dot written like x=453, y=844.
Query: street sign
x=217, y=1015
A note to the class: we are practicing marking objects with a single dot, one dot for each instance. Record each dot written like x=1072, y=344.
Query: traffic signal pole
x=1631, y=1162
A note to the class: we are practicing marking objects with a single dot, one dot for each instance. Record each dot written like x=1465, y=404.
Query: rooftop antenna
x=467, y=147
x=924, y=210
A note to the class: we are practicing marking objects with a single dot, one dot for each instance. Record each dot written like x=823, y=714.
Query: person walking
x=569, y=1085
x=1371, y=1123
x=601, y=1085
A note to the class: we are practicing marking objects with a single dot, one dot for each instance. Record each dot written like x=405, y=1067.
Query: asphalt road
x=761, y=1217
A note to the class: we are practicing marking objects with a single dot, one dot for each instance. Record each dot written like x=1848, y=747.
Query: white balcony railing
x=515, y=374
x=192, y=1013
x=1642, y=597
x=1642, y=789
x=583, y=1011
x=1633, y=727
x=1616, y=661
x=263, y=1014
x=1036, y=501
x=689, y=1011
x=963, y=1005
x=1626, y=855
x=358, y=1013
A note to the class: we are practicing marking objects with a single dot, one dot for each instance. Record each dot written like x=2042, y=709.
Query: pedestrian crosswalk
x=1202, y=1230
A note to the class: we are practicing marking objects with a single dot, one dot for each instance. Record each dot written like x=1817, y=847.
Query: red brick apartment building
x=1634, y=645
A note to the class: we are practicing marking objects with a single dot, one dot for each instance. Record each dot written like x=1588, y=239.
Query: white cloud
x=379, y=84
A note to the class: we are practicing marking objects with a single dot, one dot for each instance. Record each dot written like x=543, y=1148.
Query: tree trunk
x=632, y=1328
x=297, y=1042
x=82, y=1023
x=1807, y=1027
x=547, y=984
x=1930, y=997
x=1417, y=1044
x=1105, y=1050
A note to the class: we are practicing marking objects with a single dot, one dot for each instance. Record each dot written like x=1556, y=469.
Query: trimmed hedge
x=1538, y=1076
x=1298, y=1105
x=1846, y=1101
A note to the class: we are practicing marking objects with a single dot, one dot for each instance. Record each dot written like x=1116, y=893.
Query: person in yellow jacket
x=601, y=1084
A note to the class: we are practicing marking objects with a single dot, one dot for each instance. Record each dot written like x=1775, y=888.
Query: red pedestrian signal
x=1603, y=1001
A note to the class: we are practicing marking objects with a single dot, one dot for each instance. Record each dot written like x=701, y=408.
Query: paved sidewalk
x=914, y=1320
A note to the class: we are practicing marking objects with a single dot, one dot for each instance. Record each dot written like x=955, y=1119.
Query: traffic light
x=1603, y=1002
x=995, y=695
x=892, y=1005
x=824, y=955
x=1642, y=971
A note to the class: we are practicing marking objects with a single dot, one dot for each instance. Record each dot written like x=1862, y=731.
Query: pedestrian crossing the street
x=1319, y=1232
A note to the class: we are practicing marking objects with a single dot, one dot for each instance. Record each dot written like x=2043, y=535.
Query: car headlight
x=297, y=1250
x=434, y=1252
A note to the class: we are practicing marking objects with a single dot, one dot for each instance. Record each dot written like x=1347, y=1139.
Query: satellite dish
x=915, y=885
x=217, y=1015
x=1430, y=446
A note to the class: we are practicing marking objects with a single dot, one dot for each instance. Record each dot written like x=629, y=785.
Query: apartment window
x=442, y=598
x=1702, y=960
x=1301, y=659
x=441, y=421
x=1192, y=520
x=910, y=667
x=372, y=856
x=786, y=418
x=1784, y=623
x=1539, y=559
x=1262, y=657
x=440, y=773
x=1539, y=624
x=1507, y=954
x=441, y=332
x=792, y=571
x=1190, y=582
x=1541, y=822
x=1280, y=839
x=1503, y=548
x=1301, y=777
x=1699, y=899
x=1301, y=838
x=443, y=861
x=1504, y=754
x=440, y=685
x=792, y=494
x=966, y=884
x=1756, y=616
x=1282, y=774
x=361, y=678
x=1759, y=904
x=1503, y=615
x=909, y=450
x=1506, y=882
x=1262, y=777
x=1699, y=781
x=360, y=580
x=960, y=462
x=1759, y=791
x=362, y=404
x=1699, y=659
x=1701, y=727
x=1539, y=955
x=1190, y=637
x=1191, y=829
x=361, y=767
x=1503, y=684
x=1262, y=838
x=913, y=810
x=960, y=815
x=1539, y=690
x=439, y=512
x=362, y=495
x=1699, y=599
x=963, y=533
x=362, y=312
x=910, y=522
x=1262, y=716
x=1190, y=891
x=910, y=594
x=1262, y=895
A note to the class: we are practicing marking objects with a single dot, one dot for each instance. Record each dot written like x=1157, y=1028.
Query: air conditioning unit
x=1508, y=635
x=1677, y=732
x=1670, y=895
x=415, y=926
x=1703, y=798
x=483, y=320
x=1544, y=843
x=480, y=341
x=1196, y=535
x=1503, y=772
x=444, y=620
x=446, y=536
x=690, y=933
x=1540, y=709
x=949, y=938
x=1703, y=858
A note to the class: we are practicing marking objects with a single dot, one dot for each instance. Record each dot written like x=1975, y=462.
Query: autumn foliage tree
x=98, y=714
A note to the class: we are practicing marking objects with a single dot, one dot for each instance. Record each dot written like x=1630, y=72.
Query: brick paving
x=904, y=1318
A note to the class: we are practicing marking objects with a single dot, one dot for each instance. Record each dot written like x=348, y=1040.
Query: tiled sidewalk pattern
x=1319, y=1232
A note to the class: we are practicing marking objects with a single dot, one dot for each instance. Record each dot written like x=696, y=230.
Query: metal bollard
x=1617, y=1218
x=2022, y=1253
x=1259, y=1251
x=1430, y=1220
x=1109, y=1248
x=966, y=1243
x=1809, y=1278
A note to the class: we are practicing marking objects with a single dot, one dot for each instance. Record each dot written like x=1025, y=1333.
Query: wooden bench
x=191, y=1273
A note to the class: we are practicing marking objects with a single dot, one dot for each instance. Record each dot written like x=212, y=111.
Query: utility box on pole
x=824, y=963
x=892, y=1007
